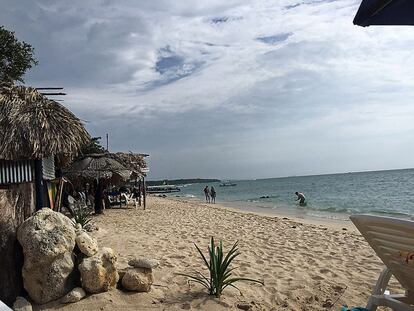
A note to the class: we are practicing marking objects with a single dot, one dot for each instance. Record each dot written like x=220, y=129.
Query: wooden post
x=145, y=193
x=139, y=192
x=40, y=202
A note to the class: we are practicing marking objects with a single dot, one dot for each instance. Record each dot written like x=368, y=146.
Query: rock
x=98, y=273
x=138, y=279
x=74, y=295
x=87, y=245
x=244, y=306
x=48, y=240
x=327, y=303
x=78, y=227
x=21, y=304
x=144, y=263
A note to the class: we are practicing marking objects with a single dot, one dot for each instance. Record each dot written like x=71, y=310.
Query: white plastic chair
x=3, y=307
x=393, y=241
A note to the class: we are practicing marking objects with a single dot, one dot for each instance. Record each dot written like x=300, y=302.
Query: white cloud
x=235, y=75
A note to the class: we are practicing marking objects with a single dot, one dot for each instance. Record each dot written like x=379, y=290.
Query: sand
x=305, y=266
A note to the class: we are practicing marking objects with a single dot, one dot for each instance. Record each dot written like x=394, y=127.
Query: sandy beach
x=304, y=266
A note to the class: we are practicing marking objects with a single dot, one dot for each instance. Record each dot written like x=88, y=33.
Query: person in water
x=301, y=197
x=213, y=194
x=207, y=194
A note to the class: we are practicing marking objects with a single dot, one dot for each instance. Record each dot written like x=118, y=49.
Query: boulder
x=143, y=263
x=98, y=273
x=74, y=295
x=138, y=279
x=21, y=304
x=87, y=245
x=48, y=240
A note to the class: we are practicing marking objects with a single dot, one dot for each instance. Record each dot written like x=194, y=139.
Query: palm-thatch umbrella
x=385, y=12
x=35, y=127
x=133, y=161
x=97, y=165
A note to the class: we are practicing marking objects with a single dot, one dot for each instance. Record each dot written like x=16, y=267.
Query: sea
x=334, y=196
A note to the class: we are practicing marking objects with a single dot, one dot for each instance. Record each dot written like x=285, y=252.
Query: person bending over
x=301, y=198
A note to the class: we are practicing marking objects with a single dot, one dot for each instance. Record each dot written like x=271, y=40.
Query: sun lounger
x=3, y=307
x=393, y=241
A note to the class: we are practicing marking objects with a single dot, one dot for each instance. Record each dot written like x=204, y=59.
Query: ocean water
x=336, y=196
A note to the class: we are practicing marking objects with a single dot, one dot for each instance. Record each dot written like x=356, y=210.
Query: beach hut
x=385, y=12
x=37, y=136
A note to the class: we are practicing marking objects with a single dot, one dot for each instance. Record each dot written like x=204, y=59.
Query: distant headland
x=180, y=181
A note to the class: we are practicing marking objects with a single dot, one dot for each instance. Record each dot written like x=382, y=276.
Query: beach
x=304, y=265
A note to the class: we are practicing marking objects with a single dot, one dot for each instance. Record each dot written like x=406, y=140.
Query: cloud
x=212, y=87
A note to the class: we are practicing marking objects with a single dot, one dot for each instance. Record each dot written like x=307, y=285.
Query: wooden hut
x=37, y=135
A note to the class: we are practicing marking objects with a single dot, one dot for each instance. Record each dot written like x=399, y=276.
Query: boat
x=163, y=189
x=227, y=183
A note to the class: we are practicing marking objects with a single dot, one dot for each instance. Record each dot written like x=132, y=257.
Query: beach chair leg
x=379, y=289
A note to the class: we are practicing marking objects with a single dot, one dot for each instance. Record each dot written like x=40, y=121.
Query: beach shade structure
x=37, y=136
x=35, y=127
x=393, y=241
x=385, y=12
x=96, y=166
x=133, y=161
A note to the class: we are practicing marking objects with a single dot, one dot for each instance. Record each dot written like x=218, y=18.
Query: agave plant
x=219, y=267
x=81, y=215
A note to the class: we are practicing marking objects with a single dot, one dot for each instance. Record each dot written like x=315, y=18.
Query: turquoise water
x=388, y=193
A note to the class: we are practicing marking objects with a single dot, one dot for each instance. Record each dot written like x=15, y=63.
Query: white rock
x=87, y=245
x=48, y=239
x=143, y=263
x=98, y=273
x=74, y=295
x=21, y=304
x=138, y=279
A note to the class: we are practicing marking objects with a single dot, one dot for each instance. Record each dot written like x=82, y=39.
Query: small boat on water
x=163, y=189
x=227, y=183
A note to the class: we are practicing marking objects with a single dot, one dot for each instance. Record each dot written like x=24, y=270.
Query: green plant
x=219, y=268
x=81, y=215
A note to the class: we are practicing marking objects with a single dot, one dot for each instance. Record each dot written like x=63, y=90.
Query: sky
x=233, y=89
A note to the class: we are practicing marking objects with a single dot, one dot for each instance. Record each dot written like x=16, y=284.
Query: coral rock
x=87, y=245
x=21, y=304
x=74, y=295
x=138, y=279
x=48, y=239
x=98, y=273
x=144, y=263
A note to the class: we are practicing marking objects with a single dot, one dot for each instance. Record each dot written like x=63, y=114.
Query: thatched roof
x=34, y=126
x=97, y=166
x=133, y=161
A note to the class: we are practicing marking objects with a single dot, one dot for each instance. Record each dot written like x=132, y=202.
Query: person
x=213, y=194
x=301, y=197
x=207, y=194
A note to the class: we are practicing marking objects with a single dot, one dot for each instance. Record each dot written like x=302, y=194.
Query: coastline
x=245, y=207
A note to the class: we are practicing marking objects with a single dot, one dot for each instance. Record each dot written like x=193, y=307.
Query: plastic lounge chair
x=3, y=307
x=393, y=241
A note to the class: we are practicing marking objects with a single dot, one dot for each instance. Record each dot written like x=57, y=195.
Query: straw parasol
x=133, y=161
x=36, y=127
x=97, y=165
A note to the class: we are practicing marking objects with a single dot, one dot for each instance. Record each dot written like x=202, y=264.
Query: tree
x=16, y=57
x=93, y=147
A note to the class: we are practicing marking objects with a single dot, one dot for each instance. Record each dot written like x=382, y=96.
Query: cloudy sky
x=229, y=89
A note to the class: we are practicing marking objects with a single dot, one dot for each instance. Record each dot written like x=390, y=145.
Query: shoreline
x=246, y=208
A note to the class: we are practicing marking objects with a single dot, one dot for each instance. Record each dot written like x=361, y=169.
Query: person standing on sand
x=207, y=194
x=213, y=194
x=301, y=197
